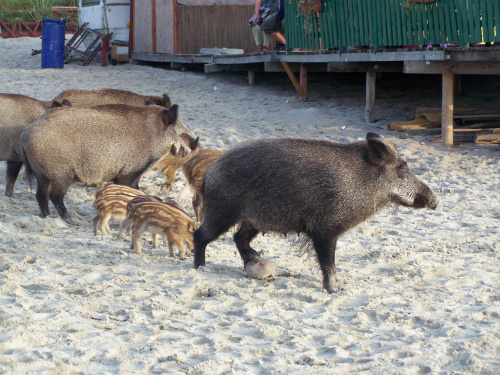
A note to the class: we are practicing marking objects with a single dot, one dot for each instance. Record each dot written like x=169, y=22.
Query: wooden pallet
x=481, y=126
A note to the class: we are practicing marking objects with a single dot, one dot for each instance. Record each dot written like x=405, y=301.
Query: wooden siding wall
x=143, y=37
x=142, y=27
x=221, y=26
x=379, y=23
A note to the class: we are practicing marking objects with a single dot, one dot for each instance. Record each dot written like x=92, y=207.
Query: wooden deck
x=450, y=62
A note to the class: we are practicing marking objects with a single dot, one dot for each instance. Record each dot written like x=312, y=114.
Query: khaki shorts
x=270, y=25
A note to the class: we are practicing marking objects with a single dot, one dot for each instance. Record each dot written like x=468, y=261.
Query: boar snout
x=425, y=198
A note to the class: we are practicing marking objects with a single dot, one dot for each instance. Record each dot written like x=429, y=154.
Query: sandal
x=264, y=49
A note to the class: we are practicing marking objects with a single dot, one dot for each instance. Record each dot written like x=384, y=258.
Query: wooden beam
x=363, y=67
x=452, y=67
x=371, y=79
x=447, y=110
x=295, y=83
x=303, y=79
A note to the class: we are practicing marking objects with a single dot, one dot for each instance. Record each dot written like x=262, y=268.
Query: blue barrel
x=53, y=34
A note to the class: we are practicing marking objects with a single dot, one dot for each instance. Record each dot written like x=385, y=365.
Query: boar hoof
x=260, y=269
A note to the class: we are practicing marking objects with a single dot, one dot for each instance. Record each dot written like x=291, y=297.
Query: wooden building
x=187, y=26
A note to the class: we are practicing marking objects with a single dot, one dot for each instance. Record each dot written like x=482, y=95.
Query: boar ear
x=169, y=116
x=194, y=144
x=371, y=135
x=56, y=104
x=173, y=150
x=66, y=103
x=166, y=102
x=378, y=152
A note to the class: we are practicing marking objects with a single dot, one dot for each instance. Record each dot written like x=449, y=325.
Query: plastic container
x=53, y=34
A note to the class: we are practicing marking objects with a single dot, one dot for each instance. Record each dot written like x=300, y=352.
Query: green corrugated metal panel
x=380, y=23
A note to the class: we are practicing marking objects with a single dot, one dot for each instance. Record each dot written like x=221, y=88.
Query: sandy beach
x=418, y=290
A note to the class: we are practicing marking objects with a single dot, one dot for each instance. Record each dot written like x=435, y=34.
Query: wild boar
x=110, y=206
x=126, y=224
x=169, y=164
x=16, y=113
x=113, y=142
x=174, y=225
x=89, y=98
x=117, y=189
x=316, y=188
x=80, y=98
x=194, y=170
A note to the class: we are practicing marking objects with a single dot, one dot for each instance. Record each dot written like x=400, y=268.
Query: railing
x=385, y=23
x=20, y=28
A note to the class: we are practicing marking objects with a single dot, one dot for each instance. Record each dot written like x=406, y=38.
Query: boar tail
x=27, y=166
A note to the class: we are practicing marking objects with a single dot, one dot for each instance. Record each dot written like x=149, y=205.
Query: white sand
x=419, y=291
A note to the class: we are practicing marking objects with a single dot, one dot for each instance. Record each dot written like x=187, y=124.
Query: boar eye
x=402, y=169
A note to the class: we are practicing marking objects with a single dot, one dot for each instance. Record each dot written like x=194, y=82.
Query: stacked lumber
x=481, y=126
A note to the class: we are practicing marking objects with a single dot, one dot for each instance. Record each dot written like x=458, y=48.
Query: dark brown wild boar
x=317, y=188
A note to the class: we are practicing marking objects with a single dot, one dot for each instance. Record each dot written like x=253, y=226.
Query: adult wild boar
x=316, y=188
x=80, y=98
x=16, y=113
x=90, y=98
x=113, y=142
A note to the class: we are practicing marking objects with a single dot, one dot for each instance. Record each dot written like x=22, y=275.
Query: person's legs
x=267, y=39
x=274, y=29
x=257, y=36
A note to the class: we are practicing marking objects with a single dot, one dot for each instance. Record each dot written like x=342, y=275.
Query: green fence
x=380, y=23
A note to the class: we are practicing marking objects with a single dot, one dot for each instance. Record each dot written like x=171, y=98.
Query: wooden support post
x=251, y=77
x=295, y=83
x=104, y=51
x=153, y=25
x=176, y=29
x=303, y=79
x=447, y=110
x=371, y=78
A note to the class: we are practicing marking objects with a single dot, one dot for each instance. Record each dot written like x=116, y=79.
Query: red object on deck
x=104, y=51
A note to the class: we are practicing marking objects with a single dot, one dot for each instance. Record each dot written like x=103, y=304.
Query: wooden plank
x=477, y=117
x=452, y=67
x=487, y=137
x=429, y=14
x=464, y=24
x=437, y=29
x=496, y=6
x=453, y=22
x=472, y=130
x=490, y=33
x=447, y=110
x=419, y=123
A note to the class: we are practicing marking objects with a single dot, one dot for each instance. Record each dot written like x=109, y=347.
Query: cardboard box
x=119, y=53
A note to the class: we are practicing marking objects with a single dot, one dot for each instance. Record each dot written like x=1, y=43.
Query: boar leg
x=42, y=194
x=95, y=220
x=57, y=193
x=325, y=251
x=214, y=224
x=13, y=168
x=242, y=238
x=198, y=206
